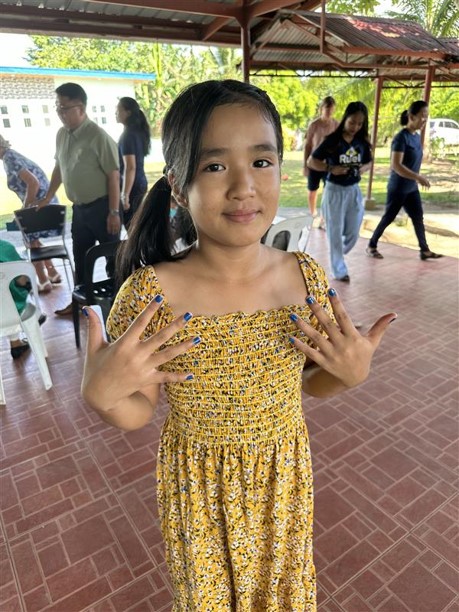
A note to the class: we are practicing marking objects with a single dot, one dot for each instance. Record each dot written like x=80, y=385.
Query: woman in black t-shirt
x=344, y=155
x=133, y=145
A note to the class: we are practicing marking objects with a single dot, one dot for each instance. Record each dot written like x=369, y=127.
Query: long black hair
x=414, y=109
x=137, y=120
x=151, y=239
x=334, y=139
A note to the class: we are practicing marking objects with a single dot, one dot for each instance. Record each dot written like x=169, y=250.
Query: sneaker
x=429, y=255
x=64, y=312
x=18, y=351
x=373, y=252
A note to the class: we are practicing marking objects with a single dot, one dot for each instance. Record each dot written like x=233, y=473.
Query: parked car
x=447, y=129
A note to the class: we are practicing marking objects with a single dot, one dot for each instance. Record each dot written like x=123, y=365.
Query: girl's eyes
x=262, y=163
x=259, y=163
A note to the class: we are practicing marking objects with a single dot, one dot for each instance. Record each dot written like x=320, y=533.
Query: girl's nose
x=241, y=184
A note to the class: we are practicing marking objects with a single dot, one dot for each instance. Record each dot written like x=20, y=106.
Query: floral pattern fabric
x=13, y=163
x=234, y=468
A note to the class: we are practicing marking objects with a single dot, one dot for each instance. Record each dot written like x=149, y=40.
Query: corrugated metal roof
x=280, y=39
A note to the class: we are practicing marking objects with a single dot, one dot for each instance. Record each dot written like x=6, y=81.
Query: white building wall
x=28, y=118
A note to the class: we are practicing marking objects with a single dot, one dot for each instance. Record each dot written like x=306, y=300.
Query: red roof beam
x=405, y=52
x=194, y=7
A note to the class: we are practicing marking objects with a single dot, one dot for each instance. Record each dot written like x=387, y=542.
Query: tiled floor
x=79, y=523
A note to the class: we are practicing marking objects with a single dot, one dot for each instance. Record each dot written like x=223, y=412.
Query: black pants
x=411, y=202
x=89, y=225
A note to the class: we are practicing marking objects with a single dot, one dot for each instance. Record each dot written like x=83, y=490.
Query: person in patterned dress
x=234, y=468
x=28, y=181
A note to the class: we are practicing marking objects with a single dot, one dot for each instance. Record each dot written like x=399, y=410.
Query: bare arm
x=322, y=166
x=121, y=381
x=32, y=186
x=113, y=186
x=128, y=179
x=396, y=165
x=54, y=184
x=307, y=152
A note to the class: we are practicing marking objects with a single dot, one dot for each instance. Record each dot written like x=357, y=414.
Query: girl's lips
x=241, y=216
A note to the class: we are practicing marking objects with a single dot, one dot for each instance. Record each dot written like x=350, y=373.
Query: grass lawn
x=443, y=194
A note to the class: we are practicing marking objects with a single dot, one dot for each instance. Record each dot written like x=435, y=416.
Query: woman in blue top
x=344, y=155
x=29, y=183
x=402, y=189
x=133, y=146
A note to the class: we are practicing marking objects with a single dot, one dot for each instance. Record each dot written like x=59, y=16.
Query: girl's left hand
x=345, y=353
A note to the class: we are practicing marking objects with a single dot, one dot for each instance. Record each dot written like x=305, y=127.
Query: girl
x=344, y=155
x=234, y=467
x=28, y=181
x=402, y=189
x=134, y=144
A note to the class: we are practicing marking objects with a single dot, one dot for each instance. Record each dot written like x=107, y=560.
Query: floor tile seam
x=123, y=507
x=90, y=607
x=9, y=555
x=409, y=533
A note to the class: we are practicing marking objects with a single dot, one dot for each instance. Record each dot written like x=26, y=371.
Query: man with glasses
x=87, y=163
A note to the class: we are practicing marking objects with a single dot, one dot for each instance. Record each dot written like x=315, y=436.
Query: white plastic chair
x=11, y=322
x=297, y=230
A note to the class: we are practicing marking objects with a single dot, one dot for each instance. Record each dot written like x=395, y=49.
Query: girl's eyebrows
x=215, y=152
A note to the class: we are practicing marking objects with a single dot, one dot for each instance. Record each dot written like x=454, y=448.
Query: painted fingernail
x=84, y=310
x=331, y=292
x=189, y=377
x=293, y=317
x=310, y=300
x=187, y=316
x=291, y=340
x=196, y=340
x=159, y=299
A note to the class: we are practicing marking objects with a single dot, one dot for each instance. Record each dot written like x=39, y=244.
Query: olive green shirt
x=85, y=157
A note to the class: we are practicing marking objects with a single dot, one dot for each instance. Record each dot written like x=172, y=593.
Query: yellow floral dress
x=234, y=467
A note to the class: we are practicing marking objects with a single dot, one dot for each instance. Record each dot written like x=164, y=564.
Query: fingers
x=378, y=330
x=96, y=338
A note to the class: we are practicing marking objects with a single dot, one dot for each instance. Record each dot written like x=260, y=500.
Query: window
x=6, y=123
x=104, y=120
x=25, y=110
x=27, y=122
x=94, y=109
x=4, y=110
x=45, y=109
x=102, y=109
x=47, y=121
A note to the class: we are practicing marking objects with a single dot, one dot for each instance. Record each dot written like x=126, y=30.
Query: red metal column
x=245, y=44
x=427, y=89
x=369, y=201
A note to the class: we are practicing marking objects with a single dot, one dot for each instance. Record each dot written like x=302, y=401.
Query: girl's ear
x=178, y=197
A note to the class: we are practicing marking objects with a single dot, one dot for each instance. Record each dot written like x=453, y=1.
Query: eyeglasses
x=63, y=109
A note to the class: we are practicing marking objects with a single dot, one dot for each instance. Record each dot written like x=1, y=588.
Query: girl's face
x=417, y=122
x=354, y=123
x=121, y=114
x=234, y=194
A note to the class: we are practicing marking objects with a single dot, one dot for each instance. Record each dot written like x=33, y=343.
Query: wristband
x=114, y=212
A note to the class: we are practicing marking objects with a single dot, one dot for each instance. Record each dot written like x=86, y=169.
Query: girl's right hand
x=338, y=170
x=113, y=372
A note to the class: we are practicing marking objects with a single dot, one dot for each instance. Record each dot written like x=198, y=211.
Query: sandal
x=56, y=279
x=45, y=287
x=373, y=252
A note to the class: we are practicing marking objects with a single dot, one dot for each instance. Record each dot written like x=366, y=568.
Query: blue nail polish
x=84, y=310
x=310, y=300
x=291, y=340
x=159, y=299
x=196, y=340
x=293, y=317
x=331, y=292
x=187, y=316
x=189, y=377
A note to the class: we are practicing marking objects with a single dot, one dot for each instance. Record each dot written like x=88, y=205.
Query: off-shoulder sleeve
x=133, y=297
x=316, y=282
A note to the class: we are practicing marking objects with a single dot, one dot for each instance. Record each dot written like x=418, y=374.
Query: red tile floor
x=79, y=524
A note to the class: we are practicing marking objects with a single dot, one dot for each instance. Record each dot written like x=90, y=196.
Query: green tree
x=438, y=17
